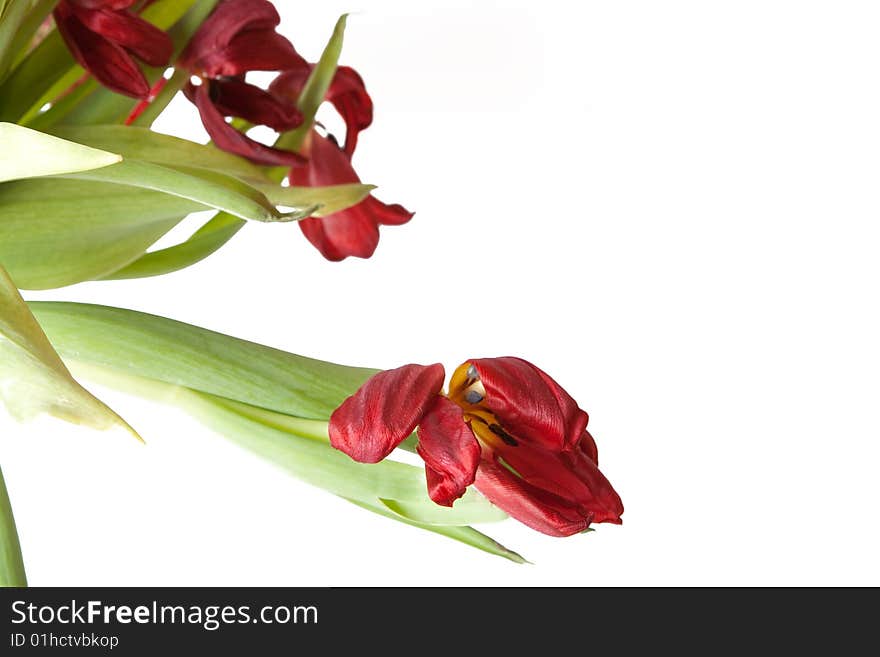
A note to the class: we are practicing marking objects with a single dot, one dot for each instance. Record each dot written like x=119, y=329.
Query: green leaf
x=33, y=380
x=28, y=153
x=11, y=564
x=14, y=14
x=316, y=87
x=398, y=486
x=467, y=535
x=196, y=358
x=205, y=241
x=56, y=232
x=208, y=188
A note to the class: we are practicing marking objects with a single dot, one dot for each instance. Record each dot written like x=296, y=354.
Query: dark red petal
x=529, y=404
x=228, y=20
x=386, y=214
x=588, y=447
x=350, y=232
x=144, y=40
x=570, y=476
x=254, y=50
x=229, y=139
x=235, y=97
x=111, y=65
x=289, y=84
x=349, y=96
x=536, y=508
x=384, y=411
x=450, y=451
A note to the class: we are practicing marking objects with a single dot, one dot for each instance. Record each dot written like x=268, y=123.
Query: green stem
x=11, y=563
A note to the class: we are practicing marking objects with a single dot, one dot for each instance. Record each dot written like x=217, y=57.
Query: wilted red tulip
x=505, y=426
x=239, y=36
x=355, y=230
x=105, y=38
x=346, y=93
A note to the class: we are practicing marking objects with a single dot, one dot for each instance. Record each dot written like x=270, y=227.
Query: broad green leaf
x=199, y=359
x=33, y=379
x=398, y=486
x=205, y=241
x=28, y=153
x=316, y=87
x=467, y=535
x=208, y=188
x=148, y=146
x=11, y=564
x=56, y=232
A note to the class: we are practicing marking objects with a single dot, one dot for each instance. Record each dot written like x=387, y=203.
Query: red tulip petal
x=588, y=447
x=253, y=50
x=386, y=214
x=235, y=97
x=229, y=139
x=349, y=96
x=536, y=508
x=144, y=40
x=570, y=476
x=111, y=65
x=529, y=404
x=384, y=411
x=289, y=84
x=450, y=451
x=350, y=232
x=205, y=53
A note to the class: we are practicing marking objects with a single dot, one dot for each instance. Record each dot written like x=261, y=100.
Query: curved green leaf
x=28, y=153
x=33, y=379
x=56, y=232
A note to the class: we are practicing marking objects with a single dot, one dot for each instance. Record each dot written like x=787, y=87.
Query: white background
x=671, y=207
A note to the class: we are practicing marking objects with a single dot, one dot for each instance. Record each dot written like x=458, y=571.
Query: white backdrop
x=671, y=207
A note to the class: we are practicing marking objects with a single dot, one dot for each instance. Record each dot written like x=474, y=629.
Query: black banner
x=118, y=621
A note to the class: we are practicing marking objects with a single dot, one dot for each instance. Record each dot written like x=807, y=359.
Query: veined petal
x=254, y=50
x=450, y=451
x=570, y=476
x=231, y=140
x=144, y=40
x=109, y=63
x=102, y=4
x=384, y=411
x=235, y=97
x=532, y=506
x=230, y=19
x=529, y=404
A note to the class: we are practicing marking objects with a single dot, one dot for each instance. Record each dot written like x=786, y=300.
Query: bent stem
x=11, y=563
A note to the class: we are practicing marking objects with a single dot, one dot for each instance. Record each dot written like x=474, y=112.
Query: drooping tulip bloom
x=238, y=37
x=504, y=426
x=355, y=230
x=106, y=37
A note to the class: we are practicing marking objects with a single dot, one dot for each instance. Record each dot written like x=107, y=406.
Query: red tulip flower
x=355, y=230
x=238, y=37
x=105, y=37
x=505, y=426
